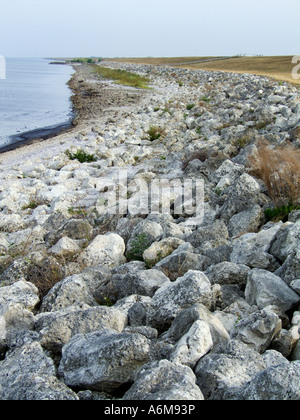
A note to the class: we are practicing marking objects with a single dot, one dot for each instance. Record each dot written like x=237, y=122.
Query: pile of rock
x=95, y=304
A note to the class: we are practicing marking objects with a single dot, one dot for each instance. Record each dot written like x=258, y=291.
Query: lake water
x=34, y=96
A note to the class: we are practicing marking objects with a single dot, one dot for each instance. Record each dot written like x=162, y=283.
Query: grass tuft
x=82, y=156
x=279, y=168
x=123, y=77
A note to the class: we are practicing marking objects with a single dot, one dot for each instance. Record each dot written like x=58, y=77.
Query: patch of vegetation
x=138, y=246
x=190, y=106
x=32, y=205
x=279, y=168
x=82, y=156
x=90, y=60
x=123, y=77
x=280, y=213
x=155, y=133
x=78, y=212
x=45, y=274
x=205, y=99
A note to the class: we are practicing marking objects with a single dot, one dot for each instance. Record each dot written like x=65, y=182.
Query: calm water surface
x=34, y=95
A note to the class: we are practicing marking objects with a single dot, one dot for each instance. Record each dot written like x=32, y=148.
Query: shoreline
x=37, y=135
x=91, y=98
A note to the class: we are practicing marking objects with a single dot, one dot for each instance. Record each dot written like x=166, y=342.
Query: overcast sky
x=142, y=28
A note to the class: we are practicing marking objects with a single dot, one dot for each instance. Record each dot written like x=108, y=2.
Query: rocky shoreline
x=96, y=303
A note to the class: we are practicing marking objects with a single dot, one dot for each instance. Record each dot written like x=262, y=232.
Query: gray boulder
x=169, y=300
x=107, y=250
x=252, y=249
x=57, y=328
x=14, y=318
x=210, y=236
x=228, y=273
x=21, y=292
x=258, y=330
x=286, y=341
x=290, y=269
x=161, y=249
x=70, y=291
x=265, y=288
x=34, y=387
x=187, y=317
x=142, y=282
x=164, y=380
x=249, y=220
x=183, y=259
x=287, y=240
x=74, y=229
x=103, y=360
x=224, y=372
x=193, y=345
x=28, y=374
x=243, y=191
x=277, y=383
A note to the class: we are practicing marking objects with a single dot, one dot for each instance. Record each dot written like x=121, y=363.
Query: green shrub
x=155, y=133
x=82, y=156
x=138, y=246
x=190, y=106
x=280, y=213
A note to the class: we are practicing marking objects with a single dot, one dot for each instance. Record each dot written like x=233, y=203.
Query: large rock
x=193, y=345
x=65, y=248
x=277, y=383
x=161, y=249
x=13, y=319
x=258, y=330
x=243, y=191
x=210, y=236
x=186, y=319
x=57, y=328
x=103, y=360
x=33, y=387
x=107, y=250
x=21, y=292
x=75, y=229
x=290, y=269
x=265, y=288
x=223, y=373
x=68, y=292
x=249, y=220
x=28, y=374
x=287, y=240
x=164, y=380
x=228, y=273
x=142, y=282
x=183, y=259
x=11, y=222
x=169, y=300
x=252, y=249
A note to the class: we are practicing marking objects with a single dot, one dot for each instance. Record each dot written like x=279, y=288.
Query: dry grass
x=277, y=67
x=279, y=168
